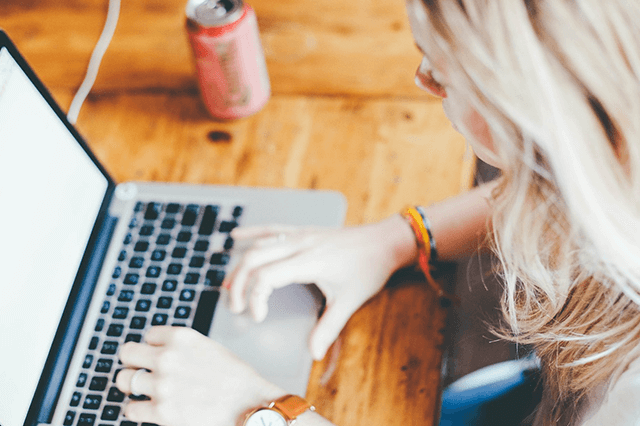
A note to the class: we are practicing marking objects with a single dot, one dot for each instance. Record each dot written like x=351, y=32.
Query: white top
x=621, y=405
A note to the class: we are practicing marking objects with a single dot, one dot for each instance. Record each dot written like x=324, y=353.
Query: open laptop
x=88, y=265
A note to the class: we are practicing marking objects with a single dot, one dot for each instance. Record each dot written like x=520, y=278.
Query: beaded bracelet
x=427, y=253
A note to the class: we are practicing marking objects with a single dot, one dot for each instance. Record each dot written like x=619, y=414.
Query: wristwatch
x=281, y=412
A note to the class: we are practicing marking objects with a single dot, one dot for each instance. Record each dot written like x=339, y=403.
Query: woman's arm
x=459, y=225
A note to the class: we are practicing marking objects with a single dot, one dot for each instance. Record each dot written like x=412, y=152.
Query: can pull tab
x=218, y=8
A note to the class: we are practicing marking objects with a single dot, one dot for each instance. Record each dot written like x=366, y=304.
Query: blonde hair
x=558, y=82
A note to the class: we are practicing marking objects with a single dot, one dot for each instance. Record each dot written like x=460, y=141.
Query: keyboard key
x=164, y=302
x=128, y=423
x=153, y=272
x=86, y=419
x=174, y=269
x=146, y=230
x=187, y=295
x=115, y=395
x=98, y=383
x=208, y=220
x=227, y=226
x=131, y=279
x=88, y=360
x=115, y=375
x=184, y=236
x=179, y=252
x=169, y=285
x=82, y=380
x=92, y=402
x=214, y=278
x=153, y=210
x=173, y=208
x=115, y=330
x=127, y=239
x=237, y=211
x=105, y=307
x=204, y=312
x=148, y=288
x=163, y=239
x=109, y=347
x=137, y=323
x=120, y=312
x=168, y=223
x=201, y=245
x=182, y=312
x=111, y=290
x=190, y=215
x=69, y=417
x=125, y=296
x=110, y=412
x=94, y=343
x=158, y=255
x=75, y=399
x=191, y=278
x=139, y=207
x=133, y=337
x=134, y=222
x=178, y=324
x=117, y=271
x=136, y=262
x=122, y=256
x=104, y=365
x=99, y=325
x=219, y=259
x=143, y=305
x=141, y=246
x=159, y=319
x=228, y=243
x=196, y=262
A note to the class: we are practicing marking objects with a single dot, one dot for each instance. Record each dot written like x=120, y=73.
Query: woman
x=549, y=92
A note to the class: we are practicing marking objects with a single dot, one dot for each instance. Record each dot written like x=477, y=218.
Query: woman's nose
x=425, y=80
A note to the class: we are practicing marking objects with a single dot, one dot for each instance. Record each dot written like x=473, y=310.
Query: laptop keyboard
x=169, y=271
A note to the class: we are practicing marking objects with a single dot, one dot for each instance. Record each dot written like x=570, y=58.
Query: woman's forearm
x=459, y=225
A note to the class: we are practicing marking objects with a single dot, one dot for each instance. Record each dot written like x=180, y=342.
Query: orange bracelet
x=424, y=243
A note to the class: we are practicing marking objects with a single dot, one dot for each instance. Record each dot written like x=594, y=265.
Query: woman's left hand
x=191, y=380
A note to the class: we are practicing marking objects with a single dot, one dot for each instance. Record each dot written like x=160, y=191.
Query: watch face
x=266, y=417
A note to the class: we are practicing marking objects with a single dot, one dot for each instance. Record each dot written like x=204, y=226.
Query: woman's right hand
x=349, y=265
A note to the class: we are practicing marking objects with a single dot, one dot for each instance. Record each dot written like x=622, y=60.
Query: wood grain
x=383, y=155
x=313, y=47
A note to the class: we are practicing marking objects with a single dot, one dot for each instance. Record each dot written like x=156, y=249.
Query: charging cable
x=94, y=62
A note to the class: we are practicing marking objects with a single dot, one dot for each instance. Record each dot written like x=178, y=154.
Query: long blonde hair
x=558, y=82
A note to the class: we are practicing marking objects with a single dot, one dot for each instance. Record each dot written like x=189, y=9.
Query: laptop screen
x=50, y=195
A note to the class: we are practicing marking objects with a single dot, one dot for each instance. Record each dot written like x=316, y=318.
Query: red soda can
x=230, y=63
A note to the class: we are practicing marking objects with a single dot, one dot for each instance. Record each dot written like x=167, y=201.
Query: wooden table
x=345, y=115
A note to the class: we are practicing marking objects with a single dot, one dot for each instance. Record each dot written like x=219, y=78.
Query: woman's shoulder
x=618, y=405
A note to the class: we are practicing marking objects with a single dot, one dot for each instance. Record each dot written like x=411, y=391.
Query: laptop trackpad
x=278, y=347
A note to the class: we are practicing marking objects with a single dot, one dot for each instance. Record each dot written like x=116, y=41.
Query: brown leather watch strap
x=292, y=406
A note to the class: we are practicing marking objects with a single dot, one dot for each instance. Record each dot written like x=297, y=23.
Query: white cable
x=94, y=62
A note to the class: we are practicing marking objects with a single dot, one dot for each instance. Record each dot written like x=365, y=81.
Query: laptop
x=88, y=264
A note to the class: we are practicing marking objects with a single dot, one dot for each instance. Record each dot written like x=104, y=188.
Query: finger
x=142, y=411
x=142, y=384
x=238, y=280
x=250, y=232
x=328, y=328
x=138, y=355
x=276, y=275
x=160, y=335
